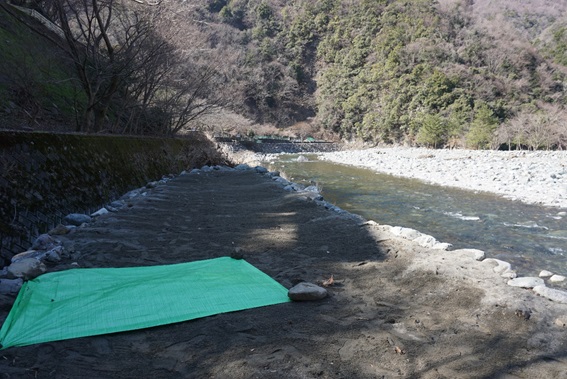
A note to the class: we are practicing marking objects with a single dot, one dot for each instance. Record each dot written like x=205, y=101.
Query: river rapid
x=531, y=237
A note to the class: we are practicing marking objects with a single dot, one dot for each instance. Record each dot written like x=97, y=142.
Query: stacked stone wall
x=45, y=176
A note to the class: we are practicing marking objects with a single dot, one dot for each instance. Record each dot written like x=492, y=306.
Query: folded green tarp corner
x=87, y=302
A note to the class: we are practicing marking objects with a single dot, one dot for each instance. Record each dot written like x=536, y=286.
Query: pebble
x=305, y=291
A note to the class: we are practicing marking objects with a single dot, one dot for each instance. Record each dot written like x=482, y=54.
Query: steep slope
x=36, y=90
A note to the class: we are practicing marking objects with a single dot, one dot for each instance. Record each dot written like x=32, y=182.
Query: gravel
x=534, y=177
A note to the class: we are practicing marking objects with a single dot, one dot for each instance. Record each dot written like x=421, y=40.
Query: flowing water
x=532, y=238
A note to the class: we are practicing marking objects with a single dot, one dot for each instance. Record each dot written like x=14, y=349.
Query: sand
x=396, y=309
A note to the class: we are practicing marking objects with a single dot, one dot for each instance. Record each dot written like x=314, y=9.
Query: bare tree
x=121, y=59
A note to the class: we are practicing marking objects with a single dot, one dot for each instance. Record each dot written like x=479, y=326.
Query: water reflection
x=530, y=237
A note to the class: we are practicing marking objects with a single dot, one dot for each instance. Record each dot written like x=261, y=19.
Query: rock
x=282, y=181
x=313, y=189
x=207, y=169
x=504, y=269
x=557, y=278
x=100, y=212
x=27, y=254
x=43, y=242
x=442, y=246
x=195, y=171
x=118, y=204
x=261, y=170
x=237, y=253
x=10, y=286
x=477, y=255
x=242, y=167
x=152, y=185
x=59, y=230
x=306, y=292
x=526, y=282
x=472, y=254
x=551, y=293
x=77, y=219
x=545, y=274
x=54, y=255
x=130, y=195
x=523, y=313
x=302, y=158
x=26, y=269
x=273, y=174
x=407, y=233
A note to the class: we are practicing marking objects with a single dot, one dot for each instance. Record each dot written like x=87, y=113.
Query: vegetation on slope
x=435, y=73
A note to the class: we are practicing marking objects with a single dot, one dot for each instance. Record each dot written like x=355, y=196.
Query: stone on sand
x=306, y=292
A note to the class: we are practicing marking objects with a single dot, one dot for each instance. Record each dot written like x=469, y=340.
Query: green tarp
x=86, y=302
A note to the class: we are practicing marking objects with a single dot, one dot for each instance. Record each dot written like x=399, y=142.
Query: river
x=532, y=238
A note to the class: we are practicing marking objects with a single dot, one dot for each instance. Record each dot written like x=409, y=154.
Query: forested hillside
x=422, y=72
x=468, y=73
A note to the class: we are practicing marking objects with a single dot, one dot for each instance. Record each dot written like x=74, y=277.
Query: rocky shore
x=535, y=177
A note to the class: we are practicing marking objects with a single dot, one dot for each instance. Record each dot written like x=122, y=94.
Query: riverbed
x=531, y=237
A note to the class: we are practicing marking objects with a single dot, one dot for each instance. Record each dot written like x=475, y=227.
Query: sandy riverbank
x=396, y=309
x=533, y=177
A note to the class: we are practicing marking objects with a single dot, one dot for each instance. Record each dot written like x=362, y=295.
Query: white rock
x=100, y=212
x=442, y=246
x=306, y=291
x=545, y=274
x=407, y=233
x=504, y=269
x=467, y=254
x=557, y=278
x=426, y=241
x=526, y=282
x=551, y=293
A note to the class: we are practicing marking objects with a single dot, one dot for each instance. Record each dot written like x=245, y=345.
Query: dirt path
x=396, y=310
